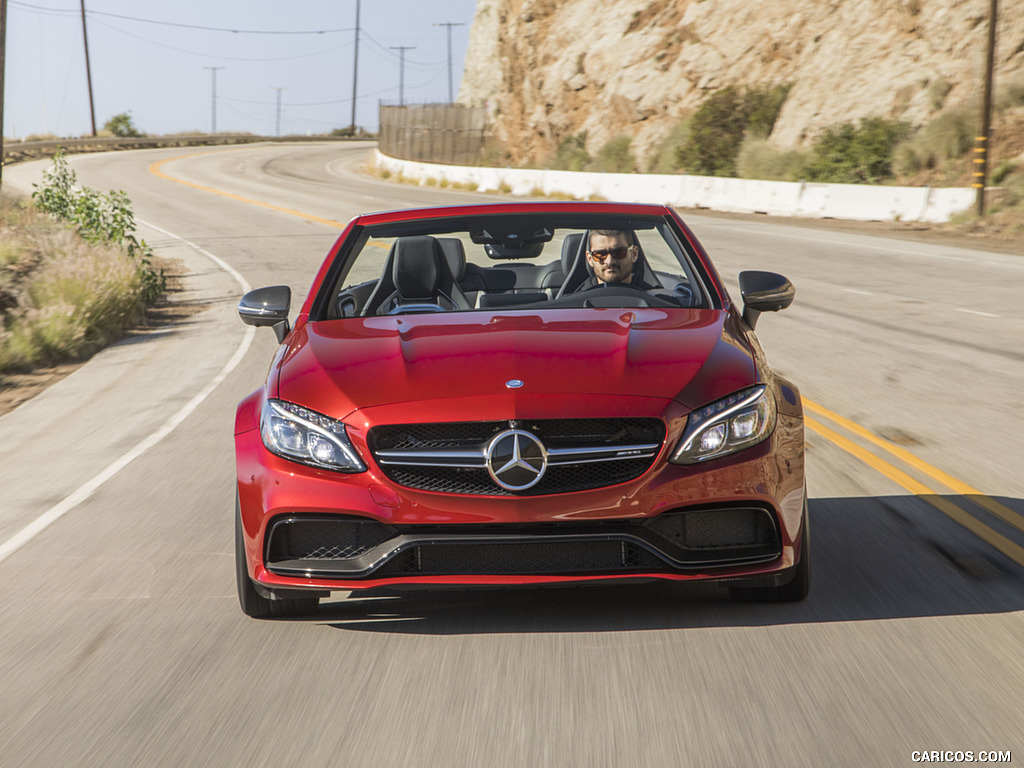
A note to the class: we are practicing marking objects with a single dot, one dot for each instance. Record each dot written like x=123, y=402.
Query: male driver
x=612, y=255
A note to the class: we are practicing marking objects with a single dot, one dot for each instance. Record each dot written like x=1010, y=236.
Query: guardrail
x=859, y=202
x=24, y=150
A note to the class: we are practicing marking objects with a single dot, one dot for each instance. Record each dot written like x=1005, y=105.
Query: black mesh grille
x=554, y=433
x=323, y=538
x=714, y=532
x=521, y=558
x=559, y=479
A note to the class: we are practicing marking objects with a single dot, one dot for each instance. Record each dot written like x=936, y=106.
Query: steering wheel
x=614, y=286
x=625, y=292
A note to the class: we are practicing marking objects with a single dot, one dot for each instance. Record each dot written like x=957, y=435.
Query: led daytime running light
x=727, y=426
x=300, y=434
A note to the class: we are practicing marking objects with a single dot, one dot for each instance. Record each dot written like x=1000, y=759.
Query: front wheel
x=252, y=602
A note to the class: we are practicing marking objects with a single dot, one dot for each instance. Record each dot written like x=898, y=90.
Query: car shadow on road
x=873, y=558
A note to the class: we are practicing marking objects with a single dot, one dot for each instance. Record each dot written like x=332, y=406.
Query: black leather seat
x=422, y=278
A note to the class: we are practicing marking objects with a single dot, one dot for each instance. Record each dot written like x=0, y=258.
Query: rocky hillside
x=548, y=69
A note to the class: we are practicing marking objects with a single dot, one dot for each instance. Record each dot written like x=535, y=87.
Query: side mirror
x=267, y=306
x=764, y=292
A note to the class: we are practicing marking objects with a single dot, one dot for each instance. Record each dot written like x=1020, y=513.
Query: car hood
x=691, y=356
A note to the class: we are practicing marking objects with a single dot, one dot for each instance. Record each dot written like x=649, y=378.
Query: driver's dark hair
x=626, y=233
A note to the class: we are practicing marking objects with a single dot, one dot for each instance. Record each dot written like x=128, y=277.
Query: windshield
x=512, y=262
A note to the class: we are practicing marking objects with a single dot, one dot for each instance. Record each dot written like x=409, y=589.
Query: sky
x=159, y=61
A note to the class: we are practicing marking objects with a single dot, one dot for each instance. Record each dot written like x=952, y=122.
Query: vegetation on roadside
x=722, y=122
x=122, y=126
x=73, y=274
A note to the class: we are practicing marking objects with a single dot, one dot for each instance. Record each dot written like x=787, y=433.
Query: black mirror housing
x=764, y=292
x=267, y=306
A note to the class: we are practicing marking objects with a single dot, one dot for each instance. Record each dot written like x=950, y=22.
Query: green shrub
x=849, y=154
x=948, y=136
x=758, y=160
x=495, y=154
x=666, y=158
x=1003, y=170
x=121, y=126
x=101, y=219
x=615, y=156
x=572, y=154
x=68, y=291
x=721, y=123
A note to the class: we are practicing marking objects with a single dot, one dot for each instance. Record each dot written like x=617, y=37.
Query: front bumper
x=736, y=518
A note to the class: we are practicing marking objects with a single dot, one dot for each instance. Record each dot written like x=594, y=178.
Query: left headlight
x=729, y=425
x=300, y=434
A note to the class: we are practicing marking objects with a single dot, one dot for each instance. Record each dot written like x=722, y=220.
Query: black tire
x=795, y=590
x=252, y=602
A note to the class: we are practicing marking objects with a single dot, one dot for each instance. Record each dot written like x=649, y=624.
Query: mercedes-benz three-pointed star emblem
x=516, y=460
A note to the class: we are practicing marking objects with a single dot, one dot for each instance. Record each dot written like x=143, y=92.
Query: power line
x=385, y=49
x=64, y=11
x=218, y=55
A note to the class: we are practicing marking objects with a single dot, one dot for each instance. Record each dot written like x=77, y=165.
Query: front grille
x=579, y=477
x=672, y=542
x=521, y=558
x=583, y=454
x=323, y=538
x=723, y=532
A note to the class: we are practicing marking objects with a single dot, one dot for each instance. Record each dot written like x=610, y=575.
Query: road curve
x=122, y=644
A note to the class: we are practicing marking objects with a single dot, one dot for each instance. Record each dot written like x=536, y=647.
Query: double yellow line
x=157, y=170
x=941, y=482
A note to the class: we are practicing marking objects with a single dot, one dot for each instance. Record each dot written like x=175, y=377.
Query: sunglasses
x=616, y=253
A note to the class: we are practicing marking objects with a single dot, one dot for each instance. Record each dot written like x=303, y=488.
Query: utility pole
x=450, y=24
x=355, y=72
x=401, y=71
x=213, y=71
x=279, y=110
x=981, y=141
x=88, y=71
x=3, y=64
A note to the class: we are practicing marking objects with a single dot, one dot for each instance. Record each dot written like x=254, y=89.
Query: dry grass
x=60, y=298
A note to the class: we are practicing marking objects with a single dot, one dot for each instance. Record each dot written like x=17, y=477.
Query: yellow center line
x=957, y=486
x=1014, y=551
x=157, y=170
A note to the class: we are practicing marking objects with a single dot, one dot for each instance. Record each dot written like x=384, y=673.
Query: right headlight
x=302, y=435
x=729, y=425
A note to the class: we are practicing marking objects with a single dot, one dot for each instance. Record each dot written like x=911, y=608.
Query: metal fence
x=433, y=133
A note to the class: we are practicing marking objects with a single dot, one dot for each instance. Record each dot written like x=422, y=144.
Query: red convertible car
x=517, y=394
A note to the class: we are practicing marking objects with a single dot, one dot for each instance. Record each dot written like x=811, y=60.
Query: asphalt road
x=121, y=642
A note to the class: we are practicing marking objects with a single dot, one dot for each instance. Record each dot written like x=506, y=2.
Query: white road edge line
x=52, y=515
x=975, y=312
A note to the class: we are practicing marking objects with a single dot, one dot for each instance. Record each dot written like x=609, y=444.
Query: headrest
x=418, y=264
x=570, y=247
x=455, y=254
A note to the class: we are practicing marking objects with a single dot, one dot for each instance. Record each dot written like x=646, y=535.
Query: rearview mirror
x=267, y=306
x=764, y=292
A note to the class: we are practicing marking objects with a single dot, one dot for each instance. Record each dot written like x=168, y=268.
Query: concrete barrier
x=861, y=202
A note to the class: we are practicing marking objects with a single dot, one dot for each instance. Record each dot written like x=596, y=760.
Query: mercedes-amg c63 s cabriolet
x=518, y=394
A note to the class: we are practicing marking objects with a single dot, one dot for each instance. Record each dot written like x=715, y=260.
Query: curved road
x=122, y=644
